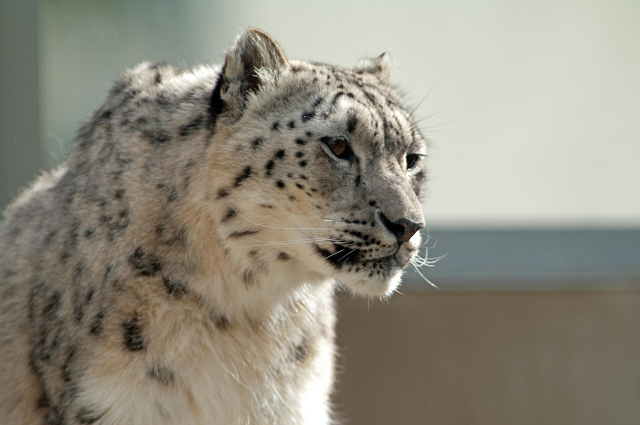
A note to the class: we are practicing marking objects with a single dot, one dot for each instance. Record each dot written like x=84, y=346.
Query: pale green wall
x=532, y=107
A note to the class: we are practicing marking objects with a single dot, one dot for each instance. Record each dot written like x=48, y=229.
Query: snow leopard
x=181, y=266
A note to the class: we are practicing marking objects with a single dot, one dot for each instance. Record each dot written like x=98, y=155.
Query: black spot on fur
x=157, y=137
x=162, y=374
x=283, y=256
x=301, y=141
x=257, y=143
x=52, y=307
x=71, y=240
x=280, y=184
x=188, y=129
x=222, y=193
x=175, y=288
x=299, y=154
x=352, y=122
x=88, y=416
x=318, y=100
x=106, y=114
x=229, y=214
x=47, y=350
x=242, y=233
x=246, y=173
x=372, y=203
x=270, y=166
x=308, y=115
x=275, y=126
x=280, y=154
x=146, y=264
x=133, y=334
x=220, y=321
x=292, y=124
x=249, y=278
x=89, y=296
x=119, y=194
x=301, y=351
x=43, y=402
x=303, y=163
x=97, y=322
x=169, y=190
x=78, y=306
x=299, y=186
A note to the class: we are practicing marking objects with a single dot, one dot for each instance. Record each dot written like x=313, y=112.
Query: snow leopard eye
x=339, y=147
x=412, y=160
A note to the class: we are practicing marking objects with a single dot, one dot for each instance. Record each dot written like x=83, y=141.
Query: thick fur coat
x=179, y=268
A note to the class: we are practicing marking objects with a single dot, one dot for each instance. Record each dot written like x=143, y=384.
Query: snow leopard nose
x=403, y=229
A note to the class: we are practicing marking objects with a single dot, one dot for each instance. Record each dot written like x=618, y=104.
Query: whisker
x=337, y=252
x=329, y=219
x=426, y=241
x=425, y=96
x=277, y=228
x=424, y=277
x=434, y=113
x=344, y=257
x=300, y=240
x=295, y=242
x=431, y=127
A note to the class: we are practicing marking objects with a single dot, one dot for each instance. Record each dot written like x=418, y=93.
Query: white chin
x=374, y=287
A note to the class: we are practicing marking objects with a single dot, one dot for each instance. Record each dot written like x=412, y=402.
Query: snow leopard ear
x=253, y=51
x=379, y=66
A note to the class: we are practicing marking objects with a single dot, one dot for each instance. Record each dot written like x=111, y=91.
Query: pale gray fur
x=180, y=266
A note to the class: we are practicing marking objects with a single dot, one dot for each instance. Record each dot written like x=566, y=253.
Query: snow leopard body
x=180, y=266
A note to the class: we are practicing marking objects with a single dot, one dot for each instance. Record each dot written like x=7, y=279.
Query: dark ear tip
x=380, y=66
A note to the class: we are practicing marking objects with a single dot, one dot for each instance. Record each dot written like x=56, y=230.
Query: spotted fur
x=179, y=268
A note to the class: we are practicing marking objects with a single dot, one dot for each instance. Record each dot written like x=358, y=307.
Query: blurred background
x=532, y=110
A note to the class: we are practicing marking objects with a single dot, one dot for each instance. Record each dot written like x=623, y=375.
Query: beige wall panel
x=490, y=358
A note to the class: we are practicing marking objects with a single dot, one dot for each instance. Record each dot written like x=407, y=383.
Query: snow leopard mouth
x=344, y=258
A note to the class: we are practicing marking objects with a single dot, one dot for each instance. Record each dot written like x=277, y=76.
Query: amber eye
x=412, y=160
x=339, y=147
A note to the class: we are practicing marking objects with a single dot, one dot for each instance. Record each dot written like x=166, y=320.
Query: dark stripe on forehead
x=381, y=112
x=399, y=132
x=380, y=103
x=336, y=97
